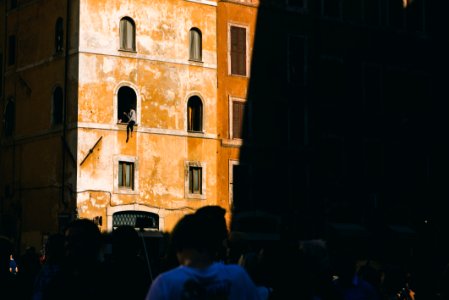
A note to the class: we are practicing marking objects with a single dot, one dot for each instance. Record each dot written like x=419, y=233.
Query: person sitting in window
x=131, y=122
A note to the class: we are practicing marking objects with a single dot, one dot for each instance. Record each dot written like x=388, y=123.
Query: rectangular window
x=296, y=60
x=126, y=175
x=239, y=113
x=195, y=180
x=238, y=50
x=11, y=50
x=240, y=184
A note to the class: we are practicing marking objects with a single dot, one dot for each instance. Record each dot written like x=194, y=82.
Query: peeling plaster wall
x=163, y=78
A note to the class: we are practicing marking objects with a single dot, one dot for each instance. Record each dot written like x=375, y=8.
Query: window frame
x=59, y=35
x=231, y=164
x=114, y=119
x=127, y=160
x=229, y=50
x=231, y=118
x=12, y=49
x=9, y=117
x=187, y=180
x=193, y=31
x=201, y=117
x=123, y=43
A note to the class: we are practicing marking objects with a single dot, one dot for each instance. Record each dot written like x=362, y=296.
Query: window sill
x=196, y=196
x=196, y=62
x=125, y=191
x=127, y=50
x=232, y=142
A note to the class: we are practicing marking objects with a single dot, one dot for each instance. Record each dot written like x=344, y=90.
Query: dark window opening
x=195, y=49
x=127, y=34
x=126, y=99
x=195, y=114
x=238, y=50
x=241, y=183
x=59, y=35
x=58, y=104
x=9, y=117
x=195, y=180
x=126, y=175
x=11, y=50
x=136, y=219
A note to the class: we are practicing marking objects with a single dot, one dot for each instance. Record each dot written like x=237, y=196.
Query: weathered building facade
x=73, y=69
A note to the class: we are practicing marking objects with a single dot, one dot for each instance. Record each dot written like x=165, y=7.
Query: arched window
x=126, y=99
x=59, y=35
x=58, y=106
x=9, y=116
x=195, y=50
x=127, y=34
x=194, y=114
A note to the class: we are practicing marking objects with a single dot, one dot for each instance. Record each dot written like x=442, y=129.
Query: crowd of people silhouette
x=201, y=260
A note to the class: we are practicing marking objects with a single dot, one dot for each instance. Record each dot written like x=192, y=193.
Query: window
x=194, y=114
x=296, y=58
x=239, y=119
x=195, y=176
x=195, y=184
x=239, y=186
x=126, y=175
x=59, y=35
x=58, y=104
x=11, y=50
x=9, y=117
x=12, y=4
x=126, y=99
x=195, y=49
x=238, y=50
x=127, y=34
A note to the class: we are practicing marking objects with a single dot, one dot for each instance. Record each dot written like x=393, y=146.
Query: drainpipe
x=64, y=117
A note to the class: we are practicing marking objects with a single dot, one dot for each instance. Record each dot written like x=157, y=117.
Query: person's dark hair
x=125, y=240
x=193, y=232
x=216, y=218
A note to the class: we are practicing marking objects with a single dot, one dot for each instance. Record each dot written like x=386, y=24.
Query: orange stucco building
x=73, y=68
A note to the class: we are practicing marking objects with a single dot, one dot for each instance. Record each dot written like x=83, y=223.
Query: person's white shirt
x=225, y=281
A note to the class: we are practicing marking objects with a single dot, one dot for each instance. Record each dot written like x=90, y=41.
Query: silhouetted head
x=215, y=217
x=194, y=232
x=83, y=241
x=125, y=241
